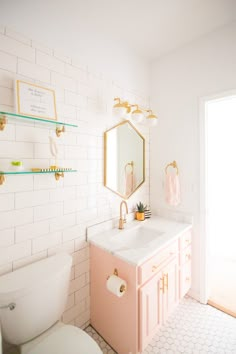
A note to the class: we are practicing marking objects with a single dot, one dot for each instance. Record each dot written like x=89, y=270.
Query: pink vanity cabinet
x=159, y=295
x=154, y=289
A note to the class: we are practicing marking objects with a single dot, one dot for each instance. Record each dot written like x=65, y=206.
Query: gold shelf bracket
x=60, y=130
x=58, y=175
x=2, y=180
x=3, y=122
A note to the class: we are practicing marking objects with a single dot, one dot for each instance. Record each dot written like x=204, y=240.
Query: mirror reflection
x=124, y=159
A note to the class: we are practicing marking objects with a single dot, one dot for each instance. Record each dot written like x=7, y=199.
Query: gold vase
x=139, y=216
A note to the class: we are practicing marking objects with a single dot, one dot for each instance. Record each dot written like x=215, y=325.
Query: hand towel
x=130, y=183
x=172, y=189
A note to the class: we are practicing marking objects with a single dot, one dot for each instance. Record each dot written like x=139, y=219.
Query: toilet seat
x=66, y=339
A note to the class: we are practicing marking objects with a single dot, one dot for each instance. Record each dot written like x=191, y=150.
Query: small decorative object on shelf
x=59, y=171
x=147, y=213
x=51, y=169
x=17, y=166
x=139, y=215
x=35, y=101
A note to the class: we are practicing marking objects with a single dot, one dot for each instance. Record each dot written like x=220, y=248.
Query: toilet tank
x=39, y=291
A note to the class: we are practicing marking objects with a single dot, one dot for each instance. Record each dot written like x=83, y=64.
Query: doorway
x=220, y=202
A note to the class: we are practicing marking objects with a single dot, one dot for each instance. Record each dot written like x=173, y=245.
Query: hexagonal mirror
x=124, y=159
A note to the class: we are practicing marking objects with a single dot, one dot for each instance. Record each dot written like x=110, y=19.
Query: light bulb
x=121, y=109
x=137, y=115
x=151, y=119
x=119, y=112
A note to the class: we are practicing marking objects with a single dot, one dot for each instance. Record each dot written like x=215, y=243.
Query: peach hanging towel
x=130, y=179
x=172, y=186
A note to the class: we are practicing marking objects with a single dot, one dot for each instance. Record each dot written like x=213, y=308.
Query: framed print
x=35, y=101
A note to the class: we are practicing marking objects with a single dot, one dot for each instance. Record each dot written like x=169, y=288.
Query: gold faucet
x=122, y=220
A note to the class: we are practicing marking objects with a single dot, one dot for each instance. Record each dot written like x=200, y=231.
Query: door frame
x=204, y=236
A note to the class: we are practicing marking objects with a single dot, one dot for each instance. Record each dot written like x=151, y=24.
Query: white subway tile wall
x=40, y=216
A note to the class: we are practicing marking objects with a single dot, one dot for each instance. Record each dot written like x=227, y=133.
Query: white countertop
x=167, y=230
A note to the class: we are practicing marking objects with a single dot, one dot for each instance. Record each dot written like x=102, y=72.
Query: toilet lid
x=67, y=340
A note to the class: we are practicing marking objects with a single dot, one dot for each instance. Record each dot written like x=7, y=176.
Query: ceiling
x=149, y=28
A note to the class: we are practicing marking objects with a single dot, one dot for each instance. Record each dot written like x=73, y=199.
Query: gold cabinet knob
x=154, y=268
x=188, y=257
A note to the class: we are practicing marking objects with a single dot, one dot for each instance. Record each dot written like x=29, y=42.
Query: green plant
x=16, y=163
x=141, y=207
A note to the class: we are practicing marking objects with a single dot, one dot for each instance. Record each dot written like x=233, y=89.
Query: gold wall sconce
x=126, y=110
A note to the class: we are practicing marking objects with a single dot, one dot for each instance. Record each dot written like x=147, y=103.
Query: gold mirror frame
x=106, y=147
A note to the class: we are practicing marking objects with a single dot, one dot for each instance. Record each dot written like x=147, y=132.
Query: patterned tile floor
x=192, y=329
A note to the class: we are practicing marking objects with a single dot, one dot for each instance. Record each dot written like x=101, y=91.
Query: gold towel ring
x=174, y=165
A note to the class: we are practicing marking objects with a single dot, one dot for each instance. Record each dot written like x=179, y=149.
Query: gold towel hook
x=174, y=165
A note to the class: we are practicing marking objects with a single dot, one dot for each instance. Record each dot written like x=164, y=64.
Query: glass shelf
x=57, y=173
x=19, y=116
x=34, y=172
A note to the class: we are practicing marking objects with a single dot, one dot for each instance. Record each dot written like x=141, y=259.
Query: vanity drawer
x=154, y=265
x=185, y=239
x=185, y=255
x=185, y=279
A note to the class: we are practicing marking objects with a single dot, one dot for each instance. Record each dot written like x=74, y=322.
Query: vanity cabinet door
x=170, y=288
x=150, y=309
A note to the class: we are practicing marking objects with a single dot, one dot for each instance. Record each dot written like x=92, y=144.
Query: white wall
x=55, y=24
x=179, y=80
x=38, y=215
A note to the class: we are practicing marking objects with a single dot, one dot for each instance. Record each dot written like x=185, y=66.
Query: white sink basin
x=139, y=240
x=135, y=238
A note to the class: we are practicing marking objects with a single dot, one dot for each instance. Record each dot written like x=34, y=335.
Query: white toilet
x=32, y=300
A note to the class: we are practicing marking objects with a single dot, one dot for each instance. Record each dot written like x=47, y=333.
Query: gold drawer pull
x=187, y=279
x=166, y=282
x=187, y=240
